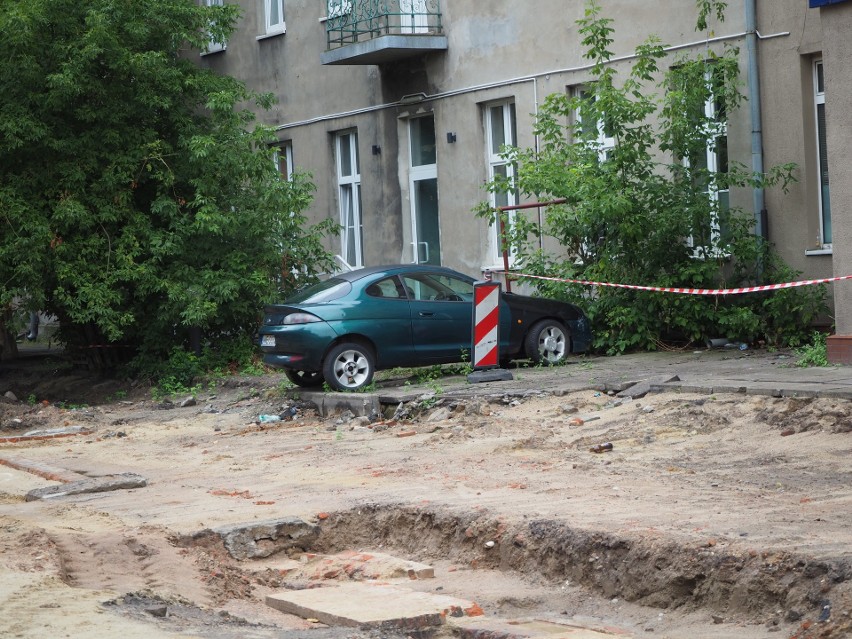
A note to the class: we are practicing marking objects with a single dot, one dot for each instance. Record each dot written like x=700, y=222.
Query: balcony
x=379, y=31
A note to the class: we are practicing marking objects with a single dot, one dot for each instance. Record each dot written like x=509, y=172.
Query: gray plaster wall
x=520, y=51
x=837, y=27
x=789, y=130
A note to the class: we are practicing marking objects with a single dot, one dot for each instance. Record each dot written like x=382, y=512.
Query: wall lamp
x=451, y=137
x=377, y=150
x=412, y=98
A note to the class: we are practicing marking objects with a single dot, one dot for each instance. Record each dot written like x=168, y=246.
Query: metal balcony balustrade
x=351, y=21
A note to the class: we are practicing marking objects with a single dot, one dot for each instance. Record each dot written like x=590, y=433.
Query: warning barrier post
x=485, y=350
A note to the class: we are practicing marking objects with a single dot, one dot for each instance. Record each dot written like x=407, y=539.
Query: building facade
x=398, y=109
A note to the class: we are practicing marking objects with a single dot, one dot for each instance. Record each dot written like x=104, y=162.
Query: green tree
x=648, y=209
x=138, y=196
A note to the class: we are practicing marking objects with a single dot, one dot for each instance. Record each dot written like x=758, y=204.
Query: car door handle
x=426, y=314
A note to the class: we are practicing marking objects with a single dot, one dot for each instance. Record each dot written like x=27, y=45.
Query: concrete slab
x=94, y=485
x=642, y=388
x=490, y=375
x=373, y=605
x=491, y=628
x=266, y=538
x=360, y=404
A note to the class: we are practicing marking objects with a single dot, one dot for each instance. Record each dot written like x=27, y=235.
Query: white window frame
x=417, y=173
x=349, y=194
x=283, y=158
x=412, y=16
x=212, y=46
x=719, y=129
x=496, y=163
x=273, y=28
x=819, y=100
x=603, y=142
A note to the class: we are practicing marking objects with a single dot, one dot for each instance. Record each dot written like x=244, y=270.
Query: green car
x=344, y=329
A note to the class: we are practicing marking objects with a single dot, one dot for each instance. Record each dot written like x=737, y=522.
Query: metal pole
x=759, y=194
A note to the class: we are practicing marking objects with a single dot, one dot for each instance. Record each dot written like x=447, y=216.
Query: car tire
x=548, y=342
x=305, y=379
x=349, y=366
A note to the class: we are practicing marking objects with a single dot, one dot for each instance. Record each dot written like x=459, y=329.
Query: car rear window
x=326, y=291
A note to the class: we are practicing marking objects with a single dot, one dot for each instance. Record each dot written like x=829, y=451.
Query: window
x=214, y=45
x=274, y=16
x=698, y=91
x=423, y=191
x=338, y=8
x=283, y=158
x=596, y=131
x=390, y=288
x=501, y=131
x=822, y=150
x=714, y=160
x=438, y=288
x=349, y=197
x=413, y=18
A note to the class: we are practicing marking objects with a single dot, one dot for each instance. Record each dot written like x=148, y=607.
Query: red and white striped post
x=486, y=333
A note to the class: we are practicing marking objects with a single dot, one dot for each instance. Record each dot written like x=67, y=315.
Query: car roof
x=393, y=269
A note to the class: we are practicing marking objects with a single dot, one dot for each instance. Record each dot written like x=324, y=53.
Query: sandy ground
x=712, y=516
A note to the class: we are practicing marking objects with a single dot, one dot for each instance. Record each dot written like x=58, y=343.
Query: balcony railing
x=353, y=21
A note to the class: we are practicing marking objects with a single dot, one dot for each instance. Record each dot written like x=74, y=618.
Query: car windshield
x=326, y=291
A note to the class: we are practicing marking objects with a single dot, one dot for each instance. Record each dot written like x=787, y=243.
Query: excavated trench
x=657, y=573
x=749, y=586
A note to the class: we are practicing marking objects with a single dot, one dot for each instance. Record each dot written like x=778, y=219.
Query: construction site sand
x=713, y=516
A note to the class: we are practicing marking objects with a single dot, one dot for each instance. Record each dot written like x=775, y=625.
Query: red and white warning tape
x=686, y=291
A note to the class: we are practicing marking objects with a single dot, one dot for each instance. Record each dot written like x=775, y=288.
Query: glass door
x=423, y=189
x=412, y=16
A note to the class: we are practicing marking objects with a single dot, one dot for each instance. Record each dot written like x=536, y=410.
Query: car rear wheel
x=349, y=366
x=305, y=379
x=547, y=342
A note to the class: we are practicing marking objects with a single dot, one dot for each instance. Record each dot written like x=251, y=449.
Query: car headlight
x=299, y=318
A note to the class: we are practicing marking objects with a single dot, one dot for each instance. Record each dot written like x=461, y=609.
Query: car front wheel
x=349, y=366
x=547, y=342
x=305, y=379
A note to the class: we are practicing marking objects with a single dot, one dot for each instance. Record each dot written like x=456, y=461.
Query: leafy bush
x=649, y=210
x=815, y=353
x=141, y=189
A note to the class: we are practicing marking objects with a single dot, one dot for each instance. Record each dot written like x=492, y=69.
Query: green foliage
x=648, y=210
x=138, y=197
x=183, y=370
x=707, y=8
x=815, y=353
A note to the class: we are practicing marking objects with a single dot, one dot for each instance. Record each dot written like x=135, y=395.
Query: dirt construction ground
x=715, y=514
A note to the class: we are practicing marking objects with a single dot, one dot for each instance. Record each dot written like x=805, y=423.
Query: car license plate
x=267, y=340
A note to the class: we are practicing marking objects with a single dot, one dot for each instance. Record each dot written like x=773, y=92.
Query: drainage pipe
x=759, y=195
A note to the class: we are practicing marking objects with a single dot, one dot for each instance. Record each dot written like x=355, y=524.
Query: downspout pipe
x=759, y=195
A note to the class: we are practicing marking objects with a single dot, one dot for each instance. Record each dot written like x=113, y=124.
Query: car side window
x=388, y=287
x=439, y=288
x=462, y=288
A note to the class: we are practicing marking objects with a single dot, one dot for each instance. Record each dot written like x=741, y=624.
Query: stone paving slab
x=373, y=605
x=94, y=485
x=264, y=538
x=361, y=404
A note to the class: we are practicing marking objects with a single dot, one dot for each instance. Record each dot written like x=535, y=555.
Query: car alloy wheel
x=305, y=379
x=547, y=342
x=349, y=366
